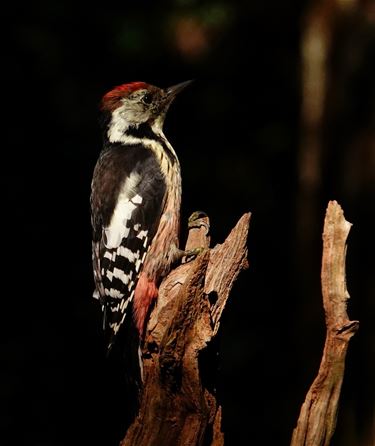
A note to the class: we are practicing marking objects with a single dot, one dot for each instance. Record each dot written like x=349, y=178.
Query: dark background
x=237, y=131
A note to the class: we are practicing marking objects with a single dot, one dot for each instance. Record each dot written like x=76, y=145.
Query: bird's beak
x=167, y=98
x=172, y=92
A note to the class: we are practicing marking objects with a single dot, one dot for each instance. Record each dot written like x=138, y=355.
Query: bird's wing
x=128, y=194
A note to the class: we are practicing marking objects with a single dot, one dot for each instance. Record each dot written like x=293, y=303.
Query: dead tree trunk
x=176, y=405
x=317, y=420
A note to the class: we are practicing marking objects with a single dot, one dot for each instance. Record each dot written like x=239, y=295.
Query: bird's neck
x=148, y=135
x=119, y=129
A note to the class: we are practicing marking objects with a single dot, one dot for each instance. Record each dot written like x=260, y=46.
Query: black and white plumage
x=135, y=203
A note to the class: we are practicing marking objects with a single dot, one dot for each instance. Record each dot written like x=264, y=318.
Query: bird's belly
x=163, y=248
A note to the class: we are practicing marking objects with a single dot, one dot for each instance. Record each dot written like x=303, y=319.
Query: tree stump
x=317, y=420
x=178, y=404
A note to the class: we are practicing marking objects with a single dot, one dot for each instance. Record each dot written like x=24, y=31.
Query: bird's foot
x=190, y=254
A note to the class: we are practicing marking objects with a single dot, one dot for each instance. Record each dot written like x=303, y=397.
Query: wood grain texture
x=178, y=404
x=317, y=419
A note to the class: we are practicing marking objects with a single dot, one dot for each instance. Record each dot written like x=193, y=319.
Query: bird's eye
x=147, y=98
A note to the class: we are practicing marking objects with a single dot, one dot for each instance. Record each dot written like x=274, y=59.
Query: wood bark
x=317, y=419
x=178, y=405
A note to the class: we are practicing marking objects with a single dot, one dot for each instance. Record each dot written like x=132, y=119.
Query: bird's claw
x=194, y=252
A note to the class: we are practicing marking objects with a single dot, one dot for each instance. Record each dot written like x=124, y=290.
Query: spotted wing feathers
x=125, y=213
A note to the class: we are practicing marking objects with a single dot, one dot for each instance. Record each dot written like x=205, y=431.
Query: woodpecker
x=135, y=203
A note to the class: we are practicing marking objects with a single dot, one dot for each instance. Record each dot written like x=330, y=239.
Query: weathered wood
x=317, y=419
x=176, y=407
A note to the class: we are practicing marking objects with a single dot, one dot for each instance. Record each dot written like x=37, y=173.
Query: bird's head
x=136, y=103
